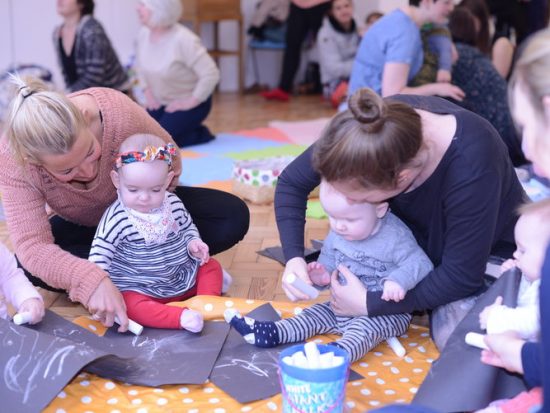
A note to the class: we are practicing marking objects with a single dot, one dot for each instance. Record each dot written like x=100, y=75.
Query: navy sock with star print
x=260, y=333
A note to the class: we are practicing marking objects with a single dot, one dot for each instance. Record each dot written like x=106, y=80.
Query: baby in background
x=379, y=249
x=147, y=242
x=17, y=289
x=532, y=234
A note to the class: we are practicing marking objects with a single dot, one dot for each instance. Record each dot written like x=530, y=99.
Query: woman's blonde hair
x=40, y=121
x=532, y=70
x=370, y=143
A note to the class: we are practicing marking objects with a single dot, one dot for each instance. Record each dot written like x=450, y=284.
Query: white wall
x=26, y=34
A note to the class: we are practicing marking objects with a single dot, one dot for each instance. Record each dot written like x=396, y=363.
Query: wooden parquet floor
x=254, y=277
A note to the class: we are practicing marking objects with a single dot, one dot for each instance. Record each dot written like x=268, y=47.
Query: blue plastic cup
x=314, y=390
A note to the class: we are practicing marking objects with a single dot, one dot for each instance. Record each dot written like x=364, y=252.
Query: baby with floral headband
x=148, y=243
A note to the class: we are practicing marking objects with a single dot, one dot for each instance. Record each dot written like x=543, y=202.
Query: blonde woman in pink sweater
x=59, y=151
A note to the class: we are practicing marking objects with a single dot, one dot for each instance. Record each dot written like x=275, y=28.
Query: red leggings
x=153, y=312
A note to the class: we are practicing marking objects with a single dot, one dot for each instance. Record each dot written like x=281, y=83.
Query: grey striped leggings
x=359, y=334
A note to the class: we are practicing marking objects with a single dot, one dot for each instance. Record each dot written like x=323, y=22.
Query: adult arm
x=196, y=57
x=16, y=288
x=293, y=186
x=503, y=56
x=31, y=235
x=394, y=81
x=531, y=360
x=471, y=207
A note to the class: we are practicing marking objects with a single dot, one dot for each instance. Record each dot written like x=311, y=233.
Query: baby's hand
x=443, y=76
x=508, y=265
x=393, y=291
x=198, y=249
x=318, y=273
x=191, y=320
x=35, y=307
x=485, y=314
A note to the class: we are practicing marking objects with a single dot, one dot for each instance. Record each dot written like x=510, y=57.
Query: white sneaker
x=227, y=281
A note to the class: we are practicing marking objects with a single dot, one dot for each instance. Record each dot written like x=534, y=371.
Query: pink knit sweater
x=27, y=188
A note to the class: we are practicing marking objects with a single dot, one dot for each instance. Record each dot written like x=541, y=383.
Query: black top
x=460, y=215
x=487, y=95
x=68, y=63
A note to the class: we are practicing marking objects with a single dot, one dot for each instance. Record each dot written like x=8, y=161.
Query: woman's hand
x=34, y=306
x=298, y=266
x=182, y=104
x=348, y=298
x=151, y=102
x=449, y=90
x=505, y=351
x=106, y=303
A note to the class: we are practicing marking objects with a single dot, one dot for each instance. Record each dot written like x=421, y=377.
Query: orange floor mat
x=388, y=379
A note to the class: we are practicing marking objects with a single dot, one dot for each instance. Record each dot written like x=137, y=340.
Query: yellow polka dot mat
x=387, y=378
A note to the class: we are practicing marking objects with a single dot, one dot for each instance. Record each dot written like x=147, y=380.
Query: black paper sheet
x=458, y=381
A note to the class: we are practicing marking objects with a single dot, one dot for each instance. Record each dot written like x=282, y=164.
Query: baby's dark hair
x=370, y=143
x=462, y=26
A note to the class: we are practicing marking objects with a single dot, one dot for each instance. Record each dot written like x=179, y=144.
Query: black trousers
x=299, y=23
x=221, y=218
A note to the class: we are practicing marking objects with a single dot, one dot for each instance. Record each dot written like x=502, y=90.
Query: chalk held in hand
x=476, y=340
x=301, y=285
x=396, y=346
x=22, y=318
x=134, y=327
x=312, y=355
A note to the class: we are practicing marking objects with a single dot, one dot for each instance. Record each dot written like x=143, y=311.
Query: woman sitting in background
x=498, y=47
x=337, y=42
x=486, y=91
x=176, y=71
x=85, y=54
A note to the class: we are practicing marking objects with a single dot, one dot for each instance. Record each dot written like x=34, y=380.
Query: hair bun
x=366, y=105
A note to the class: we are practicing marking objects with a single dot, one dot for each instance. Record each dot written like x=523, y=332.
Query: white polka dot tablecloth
x=387, y=378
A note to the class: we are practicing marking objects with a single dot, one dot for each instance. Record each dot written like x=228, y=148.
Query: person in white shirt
x=17, y=289
x=177, y=73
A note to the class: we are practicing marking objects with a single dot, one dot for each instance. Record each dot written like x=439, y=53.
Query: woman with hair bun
x=444, y=171
x=176, y=71
x=84, y=51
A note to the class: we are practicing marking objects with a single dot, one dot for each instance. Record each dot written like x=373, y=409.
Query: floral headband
x=150, y=153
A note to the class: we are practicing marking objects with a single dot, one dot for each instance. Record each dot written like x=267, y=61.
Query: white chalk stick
x=337, y=361
x=312, y=355
x=301, y=285
x=134, y=327
x=325, y=360
x=300, y=359
x=288, y=360
x=22, y=318
x=476, y=340
x=396, y=346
